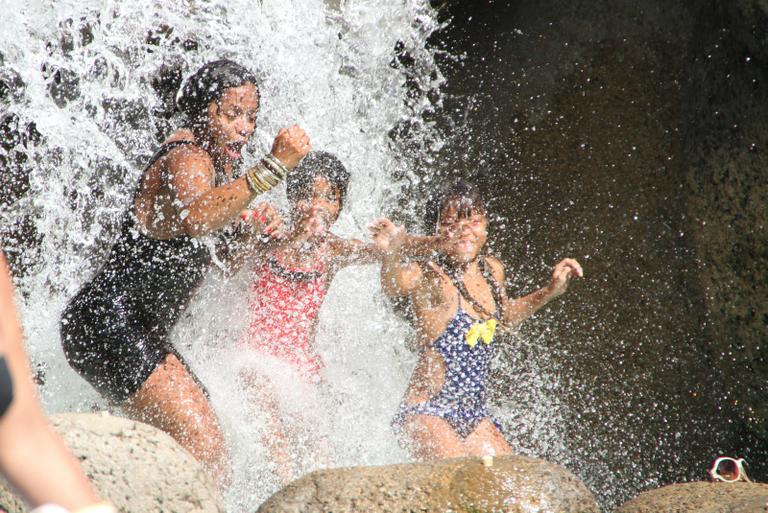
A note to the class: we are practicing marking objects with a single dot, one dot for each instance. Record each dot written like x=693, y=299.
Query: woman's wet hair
x=301, y=180
x=464, y=197
x=208, y=84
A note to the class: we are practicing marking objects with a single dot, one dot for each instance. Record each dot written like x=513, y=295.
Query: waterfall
x=89, y=97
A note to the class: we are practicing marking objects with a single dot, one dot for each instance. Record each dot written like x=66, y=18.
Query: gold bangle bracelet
x=261, y=184
x=254, y=188
x=257, y=185
x=265, y=177
x=277, y=167
x=267, y=174
x=259, y=172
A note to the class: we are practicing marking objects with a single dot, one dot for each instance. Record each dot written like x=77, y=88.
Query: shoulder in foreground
x=186, y=154
x=182, y=134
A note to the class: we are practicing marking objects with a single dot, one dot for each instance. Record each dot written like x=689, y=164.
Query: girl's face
x=464, y=229
x=321, y=206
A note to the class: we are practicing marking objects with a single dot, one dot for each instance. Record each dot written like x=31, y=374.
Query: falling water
x=88, y=98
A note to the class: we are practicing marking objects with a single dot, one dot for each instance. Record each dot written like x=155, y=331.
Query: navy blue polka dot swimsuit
x=462, y=400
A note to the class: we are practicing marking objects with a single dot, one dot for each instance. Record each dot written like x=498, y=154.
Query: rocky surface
x=137, y=467
x=512, y=484
x=701, y=497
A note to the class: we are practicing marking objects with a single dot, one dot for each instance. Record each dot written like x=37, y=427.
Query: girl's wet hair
x=301, y=180
x=208, y=84
x=465, y=197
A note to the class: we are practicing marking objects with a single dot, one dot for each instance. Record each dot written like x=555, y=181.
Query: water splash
x=98, y=81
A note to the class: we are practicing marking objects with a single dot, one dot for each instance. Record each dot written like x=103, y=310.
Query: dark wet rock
x=14, y=133
x=126, y=113
x=135, y=466
x=20, y=238
x=725, y=143
x=165, y=35
x=166, y=82
x=11, y=85
x=16, y=139
x=513, y=484
x=74, y=34
x=63, y=84
x=701, y=497
x=103, y=70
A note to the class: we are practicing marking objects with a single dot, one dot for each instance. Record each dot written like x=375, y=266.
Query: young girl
x=288, y=288
x=458, y=303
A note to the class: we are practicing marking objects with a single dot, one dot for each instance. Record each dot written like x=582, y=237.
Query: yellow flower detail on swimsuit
x=481, y=330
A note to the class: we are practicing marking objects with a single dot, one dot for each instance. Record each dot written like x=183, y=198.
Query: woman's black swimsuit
x=6, y=387
x=115, y=331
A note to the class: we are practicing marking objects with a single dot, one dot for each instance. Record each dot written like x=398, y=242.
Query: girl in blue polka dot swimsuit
x=458, y=304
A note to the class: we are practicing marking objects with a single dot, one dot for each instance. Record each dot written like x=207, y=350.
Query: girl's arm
x=399, y=278
x=261, y=230
x=355, y=252
x=515, y=311
x=346, y=252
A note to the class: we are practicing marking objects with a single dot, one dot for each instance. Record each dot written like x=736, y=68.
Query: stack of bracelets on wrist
x=266, y=174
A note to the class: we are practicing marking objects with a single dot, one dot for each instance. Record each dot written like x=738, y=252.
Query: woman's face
x=232, y=120
x=465, y=232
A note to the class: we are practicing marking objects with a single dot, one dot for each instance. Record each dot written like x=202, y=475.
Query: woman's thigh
x=486, y=440
x=428, y=437
x=171, y=400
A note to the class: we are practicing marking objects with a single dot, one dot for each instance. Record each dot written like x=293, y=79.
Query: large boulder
x=701, y=497
x=139, y=468
x=511, y=484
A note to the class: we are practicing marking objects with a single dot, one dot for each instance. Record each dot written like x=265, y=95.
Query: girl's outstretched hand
x=387, y=236
x=265, y=220
x=566, y=269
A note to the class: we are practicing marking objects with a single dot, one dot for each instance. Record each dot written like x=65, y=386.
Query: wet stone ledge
x=138, y=468
x=701, y=497
x=513, y=484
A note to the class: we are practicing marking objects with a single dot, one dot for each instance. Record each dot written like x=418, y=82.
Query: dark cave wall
x=629, y=135
x=725, y=150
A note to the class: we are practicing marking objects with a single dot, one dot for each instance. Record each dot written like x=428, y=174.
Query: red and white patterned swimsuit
x=284, y=307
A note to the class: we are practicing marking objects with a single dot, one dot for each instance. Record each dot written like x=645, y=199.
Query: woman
x=115, y=331
x=32, y=456
x=458, y=302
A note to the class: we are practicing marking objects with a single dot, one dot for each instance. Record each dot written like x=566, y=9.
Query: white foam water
x=326, y=66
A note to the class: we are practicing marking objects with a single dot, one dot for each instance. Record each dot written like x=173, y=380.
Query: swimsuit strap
x=496, y=289
x=165, y=148
x=458, y=282
x=293, y=274
x=161, y=152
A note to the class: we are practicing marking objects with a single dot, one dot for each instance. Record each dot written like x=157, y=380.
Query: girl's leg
x=277, y=437
x=486, y=440
x=428, y=437
x=171, y=400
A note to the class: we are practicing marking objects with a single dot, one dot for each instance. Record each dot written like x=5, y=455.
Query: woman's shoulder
x=180, y=135
x=182, y=149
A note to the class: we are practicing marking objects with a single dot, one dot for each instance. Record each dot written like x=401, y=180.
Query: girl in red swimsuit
x=287, y=289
